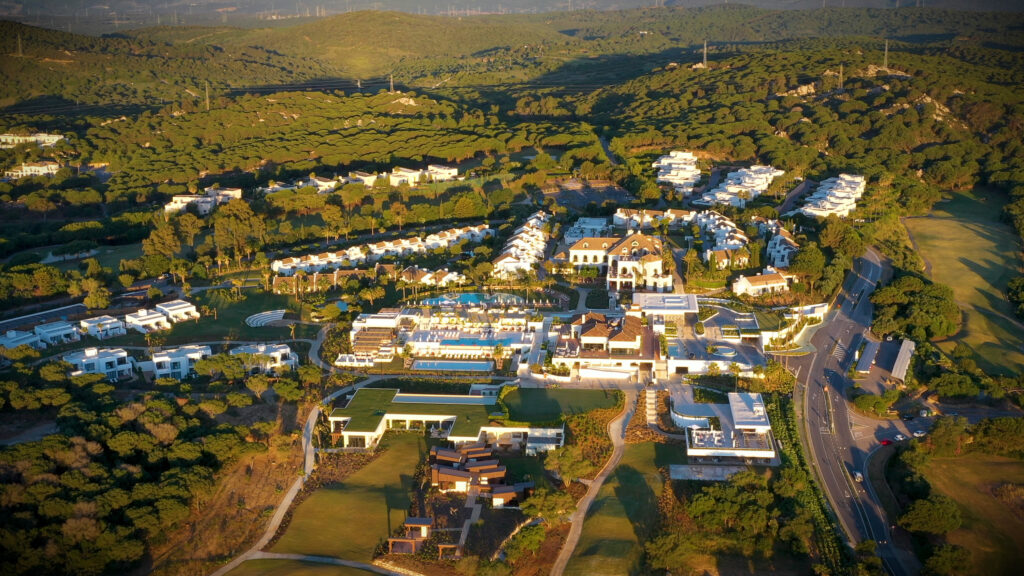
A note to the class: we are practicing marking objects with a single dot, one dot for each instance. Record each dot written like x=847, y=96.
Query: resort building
x=14, y=338
x=40, y=139
x=146, y=321
x=679, y=170
x=745, y=432
x=204, y=203
x=442, y=277
x=112, y=363
x=438, y=343
x=460, y=419
x=835, y=196
x=365, y=178
x=662, y=309
x=741, y=186
x=586, y=227
x=269, y=358
x=56, y=333
x=103, y=327
x=596, y=346
x=178, y=311
x=27, y=169
x=178, y=363
x=630, y=263
x=640, y=219
x=524, y=251
x=439, y=173
x=781, y=247
x=769, y=282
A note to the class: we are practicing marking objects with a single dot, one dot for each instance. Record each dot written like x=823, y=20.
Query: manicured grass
x=108, y=256
x=543, y=404
x=972, y=251
x=347, y=520
x=369, y=405
x=525, y=467
x=768, y=320
x=991, y=530
x=293, y=568
x=625, y=512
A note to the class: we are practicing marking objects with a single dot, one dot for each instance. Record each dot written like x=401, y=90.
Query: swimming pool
x=674, y=351
x=473, y=299
x=454, y=365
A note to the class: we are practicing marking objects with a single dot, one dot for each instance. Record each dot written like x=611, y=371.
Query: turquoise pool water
x=473, y=298
x=454, y=365
x=673, y=351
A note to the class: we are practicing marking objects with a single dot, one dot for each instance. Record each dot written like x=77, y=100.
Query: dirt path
x=617, y=431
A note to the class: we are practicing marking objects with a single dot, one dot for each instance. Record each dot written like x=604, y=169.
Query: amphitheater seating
x=264, y=318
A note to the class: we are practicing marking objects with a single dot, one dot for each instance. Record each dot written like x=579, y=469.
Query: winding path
x=617, y=431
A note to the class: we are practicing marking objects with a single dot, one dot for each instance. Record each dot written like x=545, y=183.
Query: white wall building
x=745, y=432
x=14, y=338
x=27, y=169
x=835, y=196
x=524, y=251
x=679, y=169
x=103, y=327
x=178, y=311
x=112, y=363
x=40, y=139
x=146, y=321
x=409, y=176
x=741, y=186
x=365, y=178
x=768, y=283
x=178, y=363
x=269, y=357
x=55, y=333
x=204, y=203
x=439, y=173
x=585, y=228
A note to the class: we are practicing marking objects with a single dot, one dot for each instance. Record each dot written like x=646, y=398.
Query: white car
x=900, y=437
x=919, y=433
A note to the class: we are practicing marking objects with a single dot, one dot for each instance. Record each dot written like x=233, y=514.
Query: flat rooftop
x=370, y=405
x=654, y=303
x=748, y=410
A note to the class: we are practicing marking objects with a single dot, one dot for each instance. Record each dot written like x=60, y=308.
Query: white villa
x=741, y=186
x=678, y=169
x=103, y=327
x=767, y=283
x=44, y=168
x=178, y=363
x=745, y=433
x=178, y=311
x=269, y=357
x=55, y=333
x=726, y=242
x=146, y=321
x=204, y=203
x=40, y=139
x=112, y=363
x=836, y=196
x=630, y=263
x=14, y=338
x=781, y=246
x=524, y=251
x=440, y=173
x=365, y=178
x=409, y=176
x=661, y=309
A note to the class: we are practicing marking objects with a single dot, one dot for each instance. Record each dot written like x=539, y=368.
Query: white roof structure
x=664, y=304
x=748, y=412
x=836, y=196
x=678, y=168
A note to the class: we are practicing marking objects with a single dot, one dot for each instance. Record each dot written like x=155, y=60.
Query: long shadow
x=52, y=105
x=638, y=500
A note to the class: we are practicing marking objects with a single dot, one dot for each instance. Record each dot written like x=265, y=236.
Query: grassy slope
x=624, y=514
x=973, y=252
x=540, y=404
x=293, y=568
x=991, y=531
x=347, y=520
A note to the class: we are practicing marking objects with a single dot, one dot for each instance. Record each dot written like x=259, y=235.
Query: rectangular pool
x=454, y=365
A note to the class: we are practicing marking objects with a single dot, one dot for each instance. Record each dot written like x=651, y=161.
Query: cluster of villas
x=441, y=278
x=836, y=196
x=204, y=203
x=40, y=139
x=28, y=169
x=741, y=186
x=179, y=363
x=397, y=177
x=524, y=250
x=362, y=253
x=645, y=219
x=679, y=170
x=102, y=327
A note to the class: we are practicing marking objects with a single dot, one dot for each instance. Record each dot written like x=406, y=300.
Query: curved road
x=617, y=431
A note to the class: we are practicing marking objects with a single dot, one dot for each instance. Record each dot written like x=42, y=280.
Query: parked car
x=858, y=476
x=886, y=442
x=919, y=433
x=900, y=437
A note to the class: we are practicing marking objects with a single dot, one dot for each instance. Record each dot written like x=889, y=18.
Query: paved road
x=617, y=431
x=790, y=200
x=839, y=441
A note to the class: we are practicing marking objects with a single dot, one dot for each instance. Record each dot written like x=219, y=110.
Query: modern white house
x=205, y=203
x=741, y=186
x=640, y=219
x=835, y=196
x=678, y=169
x=55, y=333
x=409, y=176
x=103, y=327
x=767, y=283
x=146, y=321
x=525, y=249
x=268, y=357
x=439, y=173
x=746, y=432
x=178, y=363
x=44, y=168
x=586, y=227
x=365, y=178
x=14, y=338
x=112, y=363
x=178, y=311
x=322, y=185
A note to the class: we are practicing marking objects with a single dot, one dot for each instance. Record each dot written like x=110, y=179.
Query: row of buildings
x=524, y=251
x=28, y=169
x=397, y=177
x=204, y=203
x=679, y=170
x=835, y=196
x=102, y=327
x=361, y=253
x=40, y=139
x=179, y=363
x=741, y=186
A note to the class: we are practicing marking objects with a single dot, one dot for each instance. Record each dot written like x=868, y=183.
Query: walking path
x=617, y=431
x=323, y=560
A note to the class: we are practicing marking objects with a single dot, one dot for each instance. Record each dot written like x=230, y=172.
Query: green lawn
x=348, y=520
x=108, y=257
x=543, y=404
x=625, y=513
x=293, y=568
x=521, y=467
x=991, y=530
x=972, y=251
